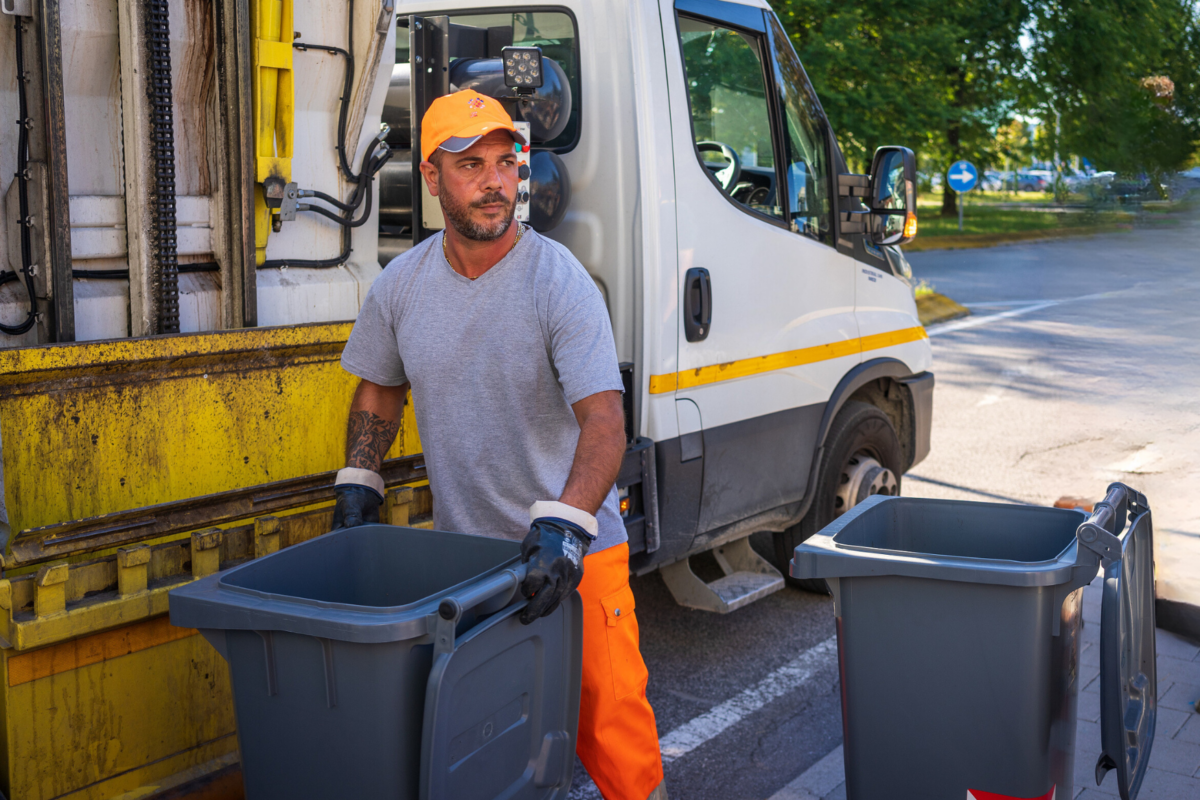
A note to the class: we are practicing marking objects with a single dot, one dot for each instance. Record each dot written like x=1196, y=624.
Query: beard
x=458, y=214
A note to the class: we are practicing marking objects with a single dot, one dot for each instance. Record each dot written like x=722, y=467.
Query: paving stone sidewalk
x=1174, y=772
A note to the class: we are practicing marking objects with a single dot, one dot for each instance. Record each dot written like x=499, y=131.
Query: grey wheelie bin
x=381, y=661
x=959, y=632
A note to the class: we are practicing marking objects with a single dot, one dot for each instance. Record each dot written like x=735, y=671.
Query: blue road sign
x=962, y=176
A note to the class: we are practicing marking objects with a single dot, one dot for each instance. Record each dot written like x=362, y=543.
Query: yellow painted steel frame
x=274, y=105
x=99, y=695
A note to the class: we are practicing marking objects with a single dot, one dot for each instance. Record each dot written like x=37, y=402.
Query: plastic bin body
x=959, y=631
x=348, y=682
x=995, y=710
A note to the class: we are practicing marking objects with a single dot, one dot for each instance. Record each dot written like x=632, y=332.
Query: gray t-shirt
x=495, y=365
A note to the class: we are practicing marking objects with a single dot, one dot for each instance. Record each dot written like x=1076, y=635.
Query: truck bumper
x=920, y=390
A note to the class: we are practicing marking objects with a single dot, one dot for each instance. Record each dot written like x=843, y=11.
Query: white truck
x=777, y=372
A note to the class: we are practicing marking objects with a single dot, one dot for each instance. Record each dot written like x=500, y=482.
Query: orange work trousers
x=618, y=740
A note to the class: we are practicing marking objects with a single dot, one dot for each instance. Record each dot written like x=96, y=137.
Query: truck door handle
x=697, y=304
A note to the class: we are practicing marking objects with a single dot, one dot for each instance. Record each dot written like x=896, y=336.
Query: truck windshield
x=807, y=145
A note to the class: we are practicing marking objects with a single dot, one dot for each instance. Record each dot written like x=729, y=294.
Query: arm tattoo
x=368, y=438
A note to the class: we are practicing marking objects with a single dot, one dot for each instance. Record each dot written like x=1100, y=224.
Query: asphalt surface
x=698, y=660
x=1079, y=365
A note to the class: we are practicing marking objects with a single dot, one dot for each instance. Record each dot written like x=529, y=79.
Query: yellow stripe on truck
x=745, y=367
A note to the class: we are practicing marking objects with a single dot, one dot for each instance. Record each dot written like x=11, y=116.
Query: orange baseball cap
x=456, y=121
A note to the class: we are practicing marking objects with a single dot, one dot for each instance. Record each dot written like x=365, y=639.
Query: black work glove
x=554, y=549
x=356, y=505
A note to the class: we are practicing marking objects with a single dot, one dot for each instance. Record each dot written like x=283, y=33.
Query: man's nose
x=490, y=180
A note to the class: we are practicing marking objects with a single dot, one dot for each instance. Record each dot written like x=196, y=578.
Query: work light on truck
x=522, y=67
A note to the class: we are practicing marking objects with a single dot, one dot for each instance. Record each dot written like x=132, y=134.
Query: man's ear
x=429, y=172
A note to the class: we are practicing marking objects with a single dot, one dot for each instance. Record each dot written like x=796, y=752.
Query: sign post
x=961, y=177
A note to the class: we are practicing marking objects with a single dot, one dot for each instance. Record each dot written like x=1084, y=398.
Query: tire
x=858, y=430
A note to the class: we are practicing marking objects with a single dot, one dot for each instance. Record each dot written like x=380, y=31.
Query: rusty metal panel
x=104, y=427
x=126, y=716
x=98, y=696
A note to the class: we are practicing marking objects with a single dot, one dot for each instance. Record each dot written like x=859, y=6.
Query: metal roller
x=549, y=190
x=396, y=111
x=395, y=190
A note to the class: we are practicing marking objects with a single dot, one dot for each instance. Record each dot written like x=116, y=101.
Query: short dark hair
x=435, y=157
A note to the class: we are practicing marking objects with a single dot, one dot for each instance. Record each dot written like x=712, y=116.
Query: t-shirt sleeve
x=372, y=353
x=581, y=344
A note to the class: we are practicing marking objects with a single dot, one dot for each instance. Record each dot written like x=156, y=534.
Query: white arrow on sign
x=963, y=176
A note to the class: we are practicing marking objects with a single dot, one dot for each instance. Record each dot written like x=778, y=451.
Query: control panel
x=523, y=154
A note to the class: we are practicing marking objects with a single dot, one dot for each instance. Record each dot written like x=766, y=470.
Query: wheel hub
x=862, y=477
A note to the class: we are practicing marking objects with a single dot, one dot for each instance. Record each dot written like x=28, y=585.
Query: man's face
x=477, y=187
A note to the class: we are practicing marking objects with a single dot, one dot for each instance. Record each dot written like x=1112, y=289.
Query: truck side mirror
x=892, y=195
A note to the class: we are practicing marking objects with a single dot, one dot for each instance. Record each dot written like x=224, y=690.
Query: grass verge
x=933, y=308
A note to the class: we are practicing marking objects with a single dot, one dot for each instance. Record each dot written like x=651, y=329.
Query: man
x=507, y=346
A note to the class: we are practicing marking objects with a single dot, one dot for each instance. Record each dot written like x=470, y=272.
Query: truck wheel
x=862, y=458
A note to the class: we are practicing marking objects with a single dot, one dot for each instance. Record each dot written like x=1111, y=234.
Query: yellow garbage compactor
x=131, y=467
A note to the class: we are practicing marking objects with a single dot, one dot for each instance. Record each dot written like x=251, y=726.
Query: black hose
x=162, y=145
x=123, y=274
x=361, y=192
x=371, y=165
x=24, y=123
x=347, y=87
x=333, y=201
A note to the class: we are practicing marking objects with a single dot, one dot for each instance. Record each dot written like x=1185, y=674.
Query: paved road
x=751, y=696
x=1080, y=366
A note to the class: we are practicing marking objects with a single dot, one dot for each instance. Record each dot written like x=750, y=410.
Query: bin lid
x=1128, y=680
x=502, y=708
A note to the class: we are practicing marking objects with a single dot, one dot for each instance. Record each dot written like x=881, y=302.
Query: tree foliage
x=949, y=78
x=1118, y=81
x=938, y=77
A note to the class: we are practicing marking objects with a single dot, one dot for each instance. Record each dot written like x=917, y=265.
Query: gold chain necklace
x=520, y=233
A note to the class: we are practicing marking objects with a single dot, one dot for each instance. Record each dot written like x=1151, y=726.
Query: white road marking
x=1024, y=308
x=690, y=735
x=974, y=322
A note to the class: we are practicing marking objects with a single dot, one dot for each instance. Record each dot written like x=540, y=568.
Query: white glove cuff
x=553, y=508
x=360, y=477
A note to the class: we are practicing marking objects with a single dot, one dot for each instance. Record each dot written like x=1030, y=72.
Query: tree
x=938, y=77
x=1118, y=81
x=879, y=73
x=983, y=74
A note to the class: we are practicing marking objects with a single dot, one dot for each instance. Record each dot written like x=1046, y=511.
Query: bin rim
x=211, y=604
x=823, y=556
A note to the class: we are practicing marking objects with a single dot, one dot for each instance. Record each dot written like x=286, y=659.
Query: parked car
x=1031, y=181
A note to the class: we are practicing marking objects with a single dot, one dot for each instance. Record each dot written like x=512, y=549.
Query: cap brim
x=456, y=144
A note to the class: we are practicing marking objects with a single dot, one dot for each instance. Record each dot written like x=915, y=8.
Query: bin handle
x=1101, y=532
x=497, y=590
x=1099, y=540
